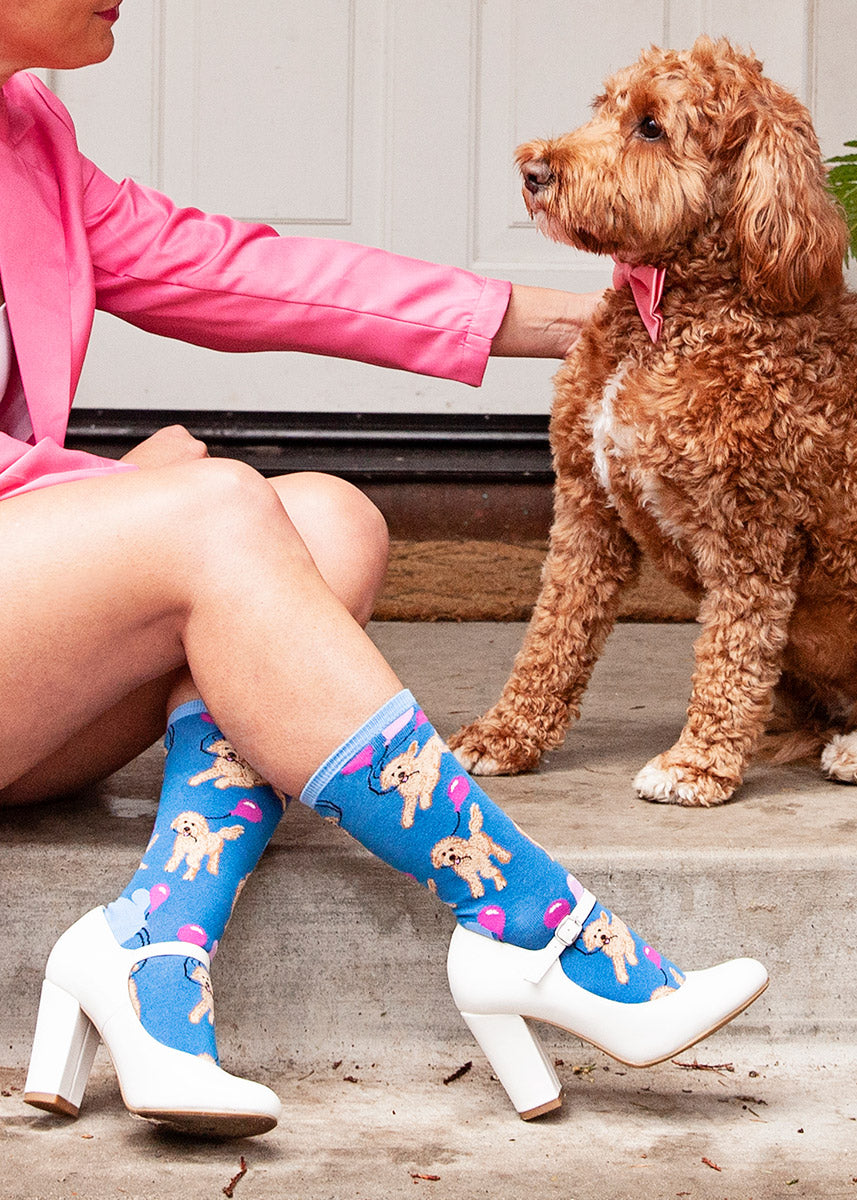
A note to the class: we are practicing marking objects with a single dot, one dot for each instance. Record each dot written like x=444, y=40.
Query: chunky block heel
x=496, y=985
x=519, y=1062
x=85, y=997
x=63, y=1051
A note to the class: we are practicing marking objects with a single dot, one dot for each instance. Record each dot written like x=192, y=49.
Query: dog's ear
x=791, y=236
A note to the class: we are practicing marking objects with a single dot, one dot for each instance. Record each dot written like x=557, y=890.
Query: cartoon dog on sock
x=195, y=841
x=470, y=858
x=230, y=770
x=205, y=1005
x=613, y=938
x=414, y=775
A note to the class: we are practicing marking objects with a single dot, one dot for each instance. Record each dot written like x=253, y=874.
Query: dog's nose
x=537, y=175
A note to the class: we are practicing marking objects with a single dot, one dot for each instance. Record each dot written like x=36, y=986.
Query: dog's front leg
x=590, y=559
x=745, y=617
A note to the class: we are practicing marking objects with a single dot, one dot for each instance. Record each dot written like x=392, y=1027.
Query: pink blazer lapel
x=35, y=275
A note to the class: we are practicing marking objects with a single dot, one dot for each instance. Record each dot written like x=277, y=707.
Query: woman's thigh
x=90, y=612
x=96, y=750
x=89, y=655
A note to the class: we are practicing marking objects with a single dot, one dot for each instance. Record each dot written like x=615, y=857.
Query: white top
x=6, y=351
x=14, y=415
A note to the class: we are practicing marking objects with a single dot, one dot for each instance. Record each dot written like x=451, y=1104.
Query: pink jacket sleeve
x=231, y=285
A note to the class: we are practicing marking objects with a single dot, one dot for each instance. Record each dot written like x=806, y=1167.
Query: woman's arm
x=236, y=286
x=543, y=322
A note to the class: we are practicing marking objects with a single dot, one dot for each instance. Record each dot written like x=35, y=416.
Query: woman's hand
x=168, y=446
x=543, y=322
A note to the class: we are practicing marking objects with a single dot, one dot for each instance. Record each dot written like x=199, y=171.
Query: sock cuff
x=190, y=709
x=391, y=712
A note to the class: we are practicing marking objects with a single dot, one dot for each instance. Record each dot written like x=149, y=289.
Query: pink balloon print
x=363, y=759
x=420, y=718
x=653, y=957
x=157, y=896
x=249, y=810
x=204, y=716
x=493, y=919
x=555, y=912
x=458, y=791
x=396, y=726
x=194, y=934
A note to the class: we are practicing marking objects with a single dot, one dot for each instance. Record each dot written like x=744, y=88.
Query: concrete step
x=754, y=1128
x=333, y=958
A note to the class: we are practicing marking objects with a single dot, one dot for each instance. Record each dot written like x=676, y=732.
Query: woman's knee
x=345, y=533
x=224, y=513
x=226, y=509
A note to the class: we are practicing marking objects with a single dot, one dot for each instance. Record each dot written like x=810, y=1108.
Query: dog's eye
x=650, y=130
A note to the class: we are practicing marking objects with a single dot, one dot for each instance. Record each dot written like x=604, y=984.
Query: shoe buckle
x=566, y=933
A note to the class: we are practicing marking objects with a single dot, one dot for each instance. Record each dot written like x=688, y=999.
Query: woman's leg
x=215, y=818
x=177, y=893
x=110, y=584
x=346, y=537
x=530, y=939
x=187, y=898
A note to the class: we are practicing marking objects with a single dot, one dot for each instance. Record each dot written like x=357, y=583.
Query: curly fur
x=727, y=449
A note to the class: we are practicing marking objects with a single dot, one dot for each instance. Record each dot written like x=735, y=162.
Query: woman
x=172, y=583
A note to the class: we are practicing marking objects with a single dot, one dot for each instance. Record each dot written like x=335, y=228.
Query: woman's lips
x=109, y=14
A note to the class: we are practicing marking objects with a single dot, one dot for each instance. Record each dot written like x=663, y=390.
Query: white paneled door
x=389, y=122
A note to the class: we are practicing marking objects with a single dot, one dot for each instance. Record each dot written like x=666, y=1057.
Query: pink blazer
x=73, y=240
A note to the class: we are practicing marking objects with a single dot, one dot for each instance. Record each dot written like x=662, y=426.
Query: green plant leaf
x=842, y=185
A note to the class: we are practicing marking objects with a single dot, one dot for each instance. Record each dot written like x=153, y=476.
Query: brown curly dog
x=727, y=448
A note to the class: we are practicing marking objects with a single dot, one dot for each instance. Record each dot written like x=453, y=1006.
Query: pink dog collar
x=647, y=288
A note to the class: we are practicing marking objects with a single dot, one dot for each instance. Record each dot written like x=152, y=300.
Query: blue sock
x=215, y=818
x=397, y=789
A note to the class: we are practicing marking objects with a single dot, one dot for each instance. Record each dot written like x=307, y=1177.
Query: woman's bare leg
x=347, y=538
x=189, y=506
x=107, y=744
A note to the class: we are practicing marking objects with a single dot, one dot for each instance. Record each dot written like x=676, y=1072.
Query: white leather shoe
x=492, y=985
x=85, y=997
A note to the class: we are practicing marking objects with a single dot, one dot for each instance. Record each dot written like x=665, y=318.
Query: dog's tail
x=781, y=748
x=232, y=832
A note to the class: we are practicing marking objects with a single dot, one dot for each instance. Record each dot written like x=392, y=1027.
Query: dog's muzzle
x=537, y=176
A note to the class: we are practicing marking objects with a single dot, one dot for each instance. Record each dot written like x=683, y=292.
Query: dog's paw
x=839, y=758
x=485, y=748
x=665, y=782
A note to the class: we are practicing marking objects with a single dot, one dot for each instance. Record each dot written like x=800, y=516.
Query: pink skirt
x=46, y=464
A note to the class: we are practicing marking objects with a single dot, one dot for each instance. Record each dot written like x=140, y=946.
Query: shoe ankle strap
x=177, y=949
x=567, y=932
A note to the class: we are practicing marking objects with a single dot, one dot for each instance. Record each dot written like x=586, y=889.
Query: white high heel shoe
x=85, y=997
x=496, y=986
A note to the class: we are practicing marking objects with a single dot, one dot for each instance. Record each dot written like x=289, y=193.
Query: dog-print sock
x=397, y=788
x=216, y=816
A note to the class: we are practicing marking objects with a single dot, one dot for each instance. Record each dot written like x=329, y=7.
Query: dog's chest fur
x=631, y=483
